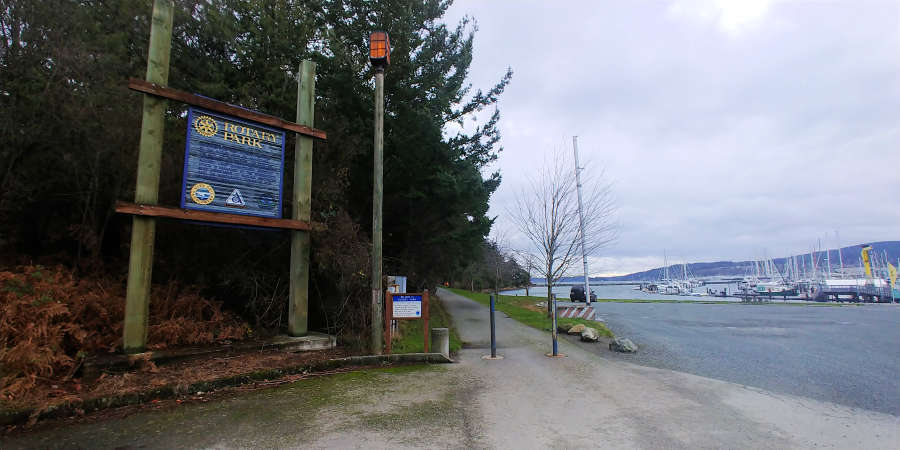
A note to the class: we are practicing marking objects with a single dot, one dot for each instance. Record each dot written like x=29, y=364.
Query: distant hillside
x=850, y=254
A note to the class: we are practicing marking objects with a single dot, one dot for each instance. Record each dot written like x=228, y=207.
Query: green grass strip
x=513, y=306
x=409, y=338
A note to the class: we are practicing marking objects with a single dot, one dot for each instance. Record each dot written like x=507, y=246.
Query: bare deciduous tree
x=499, y=241
x=547, y=214
x=525, y=260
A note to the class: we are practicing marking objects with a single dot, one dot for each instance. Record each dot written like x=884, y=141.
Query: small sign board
x=407, y=306
x=232, y=165
x=396, y=283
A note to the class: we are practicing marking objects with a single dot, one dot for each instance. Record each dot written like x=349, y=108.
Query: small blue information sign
x=407, y=306
x=232, y=165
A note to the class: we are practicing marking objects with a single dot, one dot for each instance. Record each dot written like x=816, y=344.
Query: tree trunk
x=549, y=295
x=528, y=280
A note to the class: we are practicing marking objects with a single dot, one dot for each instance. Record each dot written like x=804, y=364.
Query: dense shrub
x=50, y=320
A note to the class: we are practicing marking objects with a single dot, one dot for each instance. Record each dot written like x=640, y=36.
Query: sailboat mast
x=840, y=255
x=587, y=282
x=812, y=263
x=666, y=263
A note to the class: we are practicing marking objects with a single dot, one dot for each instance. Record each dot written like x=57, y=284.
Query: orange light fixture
x=379, y=49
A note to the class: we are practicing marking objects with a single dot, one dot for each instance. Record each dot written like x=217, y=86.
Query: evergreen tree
x=70, y=131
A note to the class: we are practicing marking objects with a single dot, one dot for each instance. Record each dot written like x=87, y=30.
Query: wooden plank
x=206, y=216
x=222, y=107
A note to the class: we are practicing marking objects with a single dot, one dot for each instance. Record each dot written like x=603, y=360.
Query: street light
x=379, y=49
x=380, y=56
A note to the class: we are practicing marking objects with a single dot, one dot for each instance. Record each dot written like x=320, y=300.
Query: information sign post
x=232, y=165
x=233, y=175
x=405, y=306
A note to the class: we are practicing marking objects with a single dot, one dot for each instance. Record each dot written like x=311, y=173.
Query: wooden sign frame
x=389, y=317
x=146, y=209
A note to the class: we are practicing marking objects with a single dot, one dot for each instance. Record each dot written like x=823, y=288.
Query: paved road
x=526, y=400
x=846, y=355
x=594, y=399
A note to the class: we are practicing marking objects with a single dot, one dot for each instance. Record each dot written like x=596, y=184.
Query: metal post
x=587, y=280
x=301, y=209
x=377, y=198
x=143, y=230
x=555, y=345
x=493, y=335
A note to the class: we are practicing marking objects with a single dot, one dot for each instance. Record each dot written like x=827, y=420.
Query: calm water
x=619, y=292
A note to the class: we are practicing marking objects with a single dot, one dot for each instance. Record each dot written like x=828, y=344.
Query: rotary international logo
x=206, y=126
x=202, y=194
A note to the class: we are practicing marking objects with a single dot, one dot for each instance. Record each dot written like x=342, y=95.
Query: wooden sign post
x=143, y=229
x=405, y=306
x=234, y=162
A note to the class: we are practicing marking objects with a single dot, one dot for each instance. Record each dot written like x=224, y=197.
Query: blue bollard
x=493, y=337
x=555, y=345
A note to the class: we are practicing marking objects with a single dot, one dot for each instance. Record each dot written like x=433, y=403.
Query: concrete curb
x=95, y=365
x=17, y=416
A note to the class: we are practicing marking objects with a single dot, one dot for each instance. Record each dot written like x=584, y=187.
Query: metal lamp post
x=587, y=278
x=380, y=57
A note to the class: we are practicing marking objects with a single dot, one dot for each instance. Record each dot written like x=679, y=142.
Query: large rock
x=577, y=329
x=563, y=327
x=590, y=335
x=623, y=345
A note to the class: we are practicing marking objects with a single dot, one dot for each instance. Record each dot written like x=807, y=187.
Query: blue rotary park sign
x=232, y=165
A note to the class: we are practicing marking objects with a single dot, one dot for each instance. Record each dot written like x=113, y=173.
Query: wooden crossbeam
x=147, y=87
x=206, y=216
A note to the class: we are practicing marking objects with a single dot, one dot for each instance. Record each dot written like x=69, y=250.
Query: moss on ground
x=428, y=411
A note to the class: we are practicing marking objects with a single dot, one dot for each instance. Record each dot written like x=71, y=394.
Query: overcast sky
x=729, y=128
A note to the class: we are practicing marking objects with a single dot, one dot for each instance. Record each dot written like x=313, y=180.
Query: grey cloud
x=720, y=144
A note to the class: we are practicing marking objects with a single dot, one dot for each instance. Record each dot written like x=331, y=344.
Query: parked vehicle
x=576, y=294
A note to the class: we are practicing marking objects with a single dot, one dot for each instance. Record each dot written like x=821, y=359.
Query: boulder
x=563, y=327
x=590, y=335
x=577, y=329
x=623, y=345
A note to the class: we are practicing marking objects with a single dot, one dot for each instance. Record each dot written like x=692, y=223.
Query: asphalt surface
x=847, y=355
x=591, y=399
x=588, y=399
